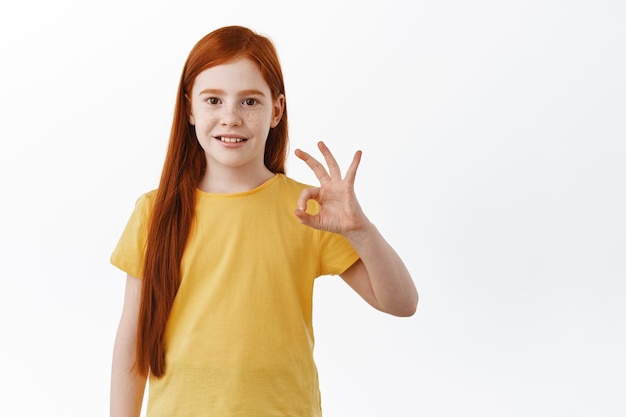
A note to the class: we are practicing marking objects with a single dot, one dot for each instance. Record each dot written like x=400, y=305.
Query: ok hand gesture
x=339, y=210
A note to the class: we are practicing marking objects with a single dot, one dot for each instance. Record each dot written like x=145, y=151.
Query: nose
x=230, y=115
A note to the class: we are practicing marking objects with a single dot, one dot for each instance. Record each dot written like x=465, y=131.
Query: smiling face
x=232, y=110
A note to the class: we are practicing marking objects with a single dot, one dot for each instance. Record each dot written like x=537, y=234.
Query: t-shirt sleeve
x=337, y=254
x=129, y=253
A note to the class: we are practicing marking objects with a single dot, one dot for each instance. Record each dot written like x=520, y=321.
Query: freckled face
x=232, y=110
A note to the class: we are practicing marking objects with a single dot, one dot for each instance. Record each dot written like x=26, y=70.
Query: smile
x=231, y=140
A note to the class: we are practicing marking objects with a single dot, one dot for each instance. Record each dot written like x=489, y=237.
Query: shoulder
x=145, y=202
x=289, y=183
x=291, y=191
x=147, y=198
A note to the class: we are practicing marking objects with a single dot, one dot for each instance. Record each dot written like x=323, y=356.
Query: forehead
x=240, y=74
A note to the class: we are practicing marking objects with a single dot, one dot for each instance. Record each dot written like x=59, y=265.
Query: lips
x=230, y=139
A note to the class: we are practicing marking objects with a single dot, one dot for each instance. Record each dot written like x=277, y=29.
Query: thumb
x=303, y=216
x=307, y=219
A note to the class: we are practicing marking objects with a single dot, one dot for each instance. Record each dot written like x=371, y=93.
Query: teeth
x=231, y=140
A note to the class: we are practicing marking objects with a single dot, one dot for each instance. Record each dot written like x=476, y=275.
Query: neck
x=220, y=180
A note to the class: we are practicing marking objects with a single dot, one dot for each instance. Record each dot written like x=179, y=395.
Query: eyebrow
x=250, y=92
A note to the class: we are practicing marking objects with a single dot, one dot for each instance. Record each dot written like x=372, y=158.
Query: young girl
x=222, y=257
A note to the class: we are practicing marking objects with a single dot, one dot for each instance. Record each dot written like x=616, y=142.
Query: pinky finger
x=351, y=173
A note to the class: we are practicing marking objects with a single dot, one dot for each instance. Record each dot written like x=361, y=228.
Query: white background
x=494, y=162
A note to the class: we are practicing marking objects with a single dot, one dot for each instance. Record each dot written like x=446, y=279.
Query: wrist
x=362, y=233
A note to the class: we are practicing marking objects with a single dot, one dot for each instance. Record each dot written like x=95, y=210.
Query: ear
x=189, y=111
x=279, y=108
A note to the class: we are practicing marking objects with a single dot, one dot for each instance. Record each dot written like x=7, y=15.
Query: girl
x=222, y=257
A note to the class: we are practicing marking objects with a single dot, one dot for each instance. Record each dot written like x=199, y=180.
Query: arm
x=127, y=386
x=380, y=276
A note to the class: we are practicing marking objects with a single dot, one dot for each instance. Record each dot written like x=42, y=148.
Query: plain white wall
x=494, y=161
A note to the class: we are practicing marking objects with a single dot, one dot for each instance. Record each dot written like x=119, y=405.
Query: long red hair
x=184, y=166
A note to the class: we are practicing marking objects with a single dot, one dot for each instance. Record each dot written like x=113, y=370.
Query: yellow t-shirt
x=239, y=340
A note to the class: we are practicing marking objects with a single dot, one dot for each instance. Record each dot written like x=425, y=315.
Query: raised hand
x=379, y=276
x=339, y=209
